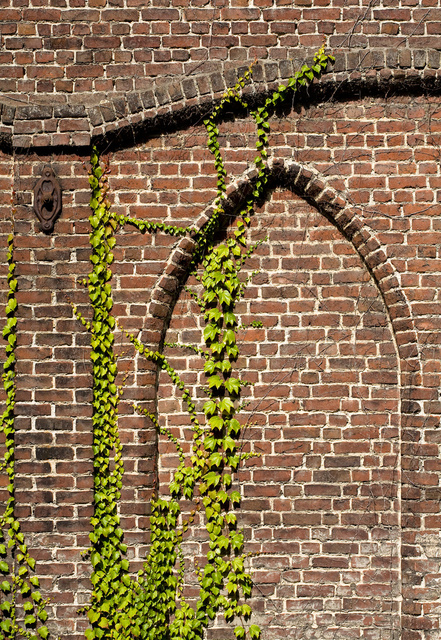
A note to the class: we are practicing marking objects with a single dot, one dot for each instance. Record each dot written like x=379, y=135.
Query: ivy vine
x=152, y=604
x=19, y=587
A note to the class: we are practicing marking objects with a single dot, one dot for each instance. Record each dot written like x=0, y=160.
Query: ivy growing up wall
x=152, y=604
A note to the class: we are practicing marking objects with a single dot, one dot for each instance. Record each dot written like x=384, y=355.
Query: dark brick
x=162, y=95
x=108, y=112
x=70, y=111
x=148, y=99
x=189, y=88
x=217, y=82
x=8, y=114
x=95, y=116
x=134, y=102
x=34, y=112
x=55, y=453
x=271, y=71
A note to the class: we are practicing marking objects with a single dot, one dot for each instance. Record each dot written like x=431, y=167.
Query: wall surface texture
x=341, y=510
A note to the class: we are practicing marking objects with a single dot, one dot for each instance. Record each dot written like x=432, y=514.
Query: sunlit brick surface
x=343, y=504
x=321, y=502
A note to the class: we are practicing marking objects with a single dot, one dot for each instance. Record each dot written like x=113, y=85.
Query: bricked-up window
x=320, y=503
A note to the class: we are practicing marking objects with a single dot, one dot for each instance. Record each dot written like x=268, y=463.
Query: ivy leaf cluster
x=109, y=612
x=152, y=605
x=18, y=586
x=261, y=115
x=151, y=227
x=232, y=95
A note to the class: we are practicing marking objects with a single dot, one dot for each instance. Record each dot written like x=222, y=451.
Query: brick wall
x=76, y=47
x=71, y=72
x=342, y=505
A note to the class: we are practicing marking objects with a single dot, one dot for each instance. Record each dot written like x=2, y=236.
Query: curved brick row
x=179, y=100
x=308, y=184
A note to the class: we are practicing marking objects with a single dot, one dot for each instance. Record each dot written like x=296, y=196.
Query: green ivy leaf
x=30, y=621
x=93, y=615
x=215, y=459
x=211, y=332
x=235, y=497
x=212, y=479
x=6, y=626
x=225, y=298
x=209, y=408
x=5, y=586
x=42, y=615
x=215, y=381
x=233, y=386
x=226, y=406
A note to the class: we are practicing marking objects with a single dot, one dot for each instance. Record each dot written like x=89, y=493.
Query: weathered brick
x=348, y=298
x=134, y=102
x=189, y=88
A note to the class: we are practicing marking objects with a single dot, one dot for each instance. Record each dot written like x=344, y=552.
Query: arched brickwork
x=309, y=185
x=323, y=371
x=174, y=103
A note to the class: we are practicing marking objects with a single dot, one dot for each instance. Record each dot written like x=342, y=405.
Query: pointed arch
x=308, y=184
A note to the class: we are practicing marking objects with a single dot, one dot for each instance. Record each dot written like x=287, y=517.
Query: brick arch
x=180, y=100
x=310, y=185
x=307, y=184
x=177, y=101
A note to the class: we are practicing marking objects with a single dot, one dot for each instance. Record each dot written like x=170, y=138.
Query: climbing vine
x=152, y=605
x=18, y=588
x=109, y=577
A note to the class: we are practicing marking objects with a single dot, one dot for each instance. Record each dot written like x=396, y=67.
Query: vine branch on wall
x=152, y=605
